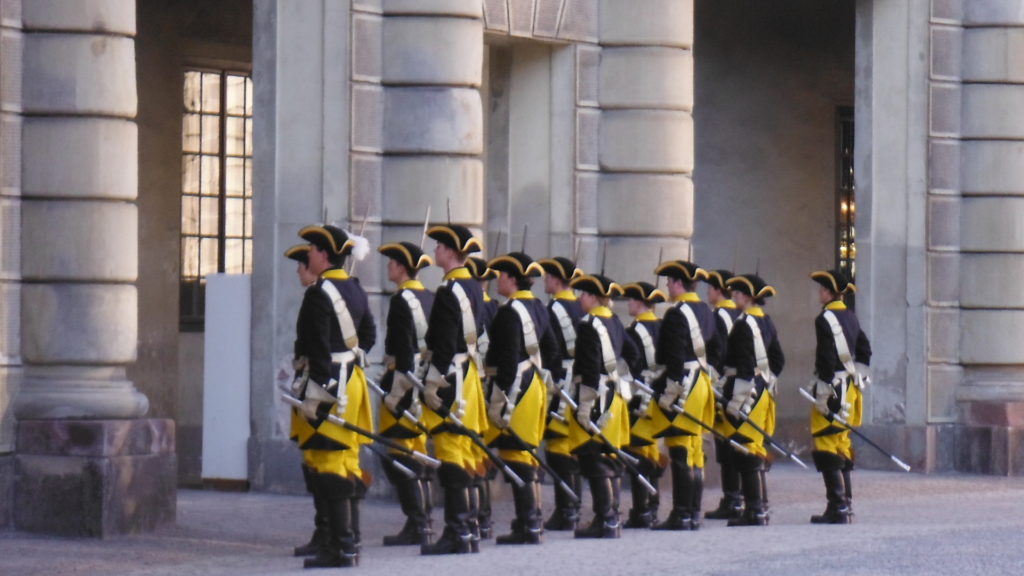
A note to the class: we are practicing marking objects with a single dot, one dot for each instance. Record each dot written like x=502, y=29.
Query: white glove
x=400, y=386
x=644, y=405
x=742, y=398
x=588, y=396
x=652, y=374
x=603, y=419
x=822, y=392
x=674, y=390
x=498, y=409
x=713, y=374
x=863, y=377
x=317, y=395
x=433, y=382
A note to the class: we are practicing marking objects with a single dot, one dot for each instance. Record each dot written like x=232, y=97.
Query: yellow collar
x=835, y=305
x=411, y=284
x=755, y=311
x=335, y=274
x=726, y=304
x=646, y=316
x=688, y=297
x=601, y=312
x=566, y=295
x=522, y=295
x=487, y=297
x=460, y=273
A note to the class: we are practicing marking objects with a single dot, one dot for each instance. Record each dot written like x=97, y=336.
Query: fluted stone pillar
x=85, y=465
x=645, y=189
x=991, y=398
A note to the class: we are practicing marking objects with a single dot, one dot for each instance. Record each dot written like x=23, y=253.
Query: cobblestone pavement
x=906, y=524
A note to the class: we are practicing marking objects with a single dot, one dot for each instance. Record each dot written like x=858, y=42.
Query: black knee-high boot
x=456, y=537
x=567, y=512
x=319, y=519
x=526, y=527
x=837, y=510
x=681, y=517
x=847, y=470
x=339, y=549
x=752, y=479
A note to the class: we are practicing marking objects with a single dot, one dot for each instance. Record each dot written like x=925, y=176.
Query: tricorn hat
x=516, y=264
x=718, y=278
x=456, y=237
x=681, y=269
x=750, y=284
x=596, y=284
x=328, y=238
x=644, y=291
x=560, y=267
x=407, y=254
x=477, y=267
x=833, y=280
x=299, y=253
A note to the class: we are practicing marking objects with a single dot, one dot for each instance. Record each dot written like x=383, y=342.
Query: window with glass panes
x=216, y=184
x=846, y=201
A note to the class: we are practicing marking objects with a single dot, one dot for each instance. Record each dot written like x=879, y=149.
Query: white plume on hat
x=361, y=248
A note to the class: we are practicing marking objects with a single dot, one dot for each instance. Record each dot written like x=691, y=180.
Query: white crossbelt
x=760, y=353
x=611, y=364
x=646, y=341
x=348, y=327
x=565, y=325
x=696, y=336
x=723, y=313
x=842, y=348
x=419, y=318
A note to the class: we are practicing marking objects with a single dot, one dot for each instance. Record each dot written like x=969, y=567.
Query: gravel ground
x=906, y=524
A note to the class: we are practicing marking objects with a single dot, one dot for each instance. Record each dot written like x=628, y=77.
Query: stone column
x=10, y=242
x=431, y=138
x=992, y=237
x=83, y=467
x=645, y=190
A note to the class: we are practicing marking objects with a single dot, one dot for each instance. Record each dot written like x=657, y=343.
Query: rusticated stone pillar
x=82, y=465
x=991, y=398
x=645, y=189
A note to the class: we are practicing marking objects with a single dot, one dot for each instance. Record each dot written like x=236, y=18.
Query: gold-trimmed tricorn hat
x=407, y=254
x=752, y=285
x=645, y=292
x=328, y=238
x=456, y=237
x=299, y=253
x=517, y=264
x=596, y=284
x=477, y=267
x=560, y=267
x=833, y=280
x=718, y=278
x=681, y=269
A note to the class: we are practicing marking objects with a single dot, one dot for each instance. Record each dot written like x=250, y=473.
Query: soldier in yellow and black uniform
x=522, y=343
x=753, y=363
x=299, y=426
x=452, y=385
x=334, y=329
x=841, y=361
x=565, y=312
x=601, y=397
x=726, y=312
x=404, y=343
x=480, y=486
x=686, y=347
x=643, y=297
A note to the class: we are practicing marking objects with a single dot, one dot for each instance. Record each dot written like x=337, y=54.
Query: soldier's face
x=742, y=300
x=825, y=295
x=636, y=307
x=587, y=302
x=506, y=285
x=552, y=284
x=306, y=277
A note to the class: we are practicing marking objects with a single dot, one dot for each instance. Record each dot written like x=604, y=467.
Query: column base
x=991, y=438
x=95, y=478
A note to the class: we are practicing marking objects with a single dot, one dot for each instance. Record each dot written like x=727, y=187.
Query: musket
x=405, y=413
x=837, y=418
x=402, y=468
x=657, y=278
x=629, y=461
x=679, y=409
x=547, y=467
x=426, y=226
x=475, y=438
x=419, y=456
x=771, y=441
x=526, y=231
